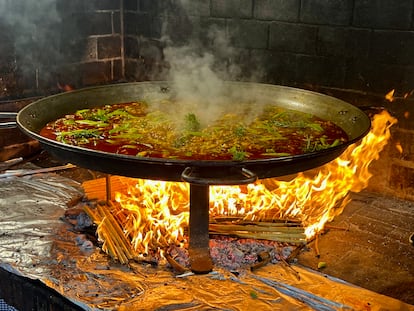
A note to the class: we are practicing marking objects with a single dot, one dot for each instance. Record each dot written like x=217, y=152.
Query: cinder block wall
x=91, y=41
x=51, y=42
x=352, y=49
x=348, y=44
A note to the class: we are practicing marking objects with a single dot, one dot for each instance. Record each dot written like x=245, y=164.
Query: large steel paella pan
x=33, y=118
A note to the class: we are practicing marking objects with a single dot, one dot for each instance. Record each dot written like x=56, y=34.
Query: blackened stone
x=250, y=33
x=383, y=14
x=94, y=73
x=326, y=12
x=343, y=41
x=231, y=8
x=277, y=10
x=109, y=46
x=286, y=37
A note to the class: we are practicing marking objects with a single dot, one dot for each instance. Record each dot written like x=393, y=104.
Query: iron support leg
x=199, y=250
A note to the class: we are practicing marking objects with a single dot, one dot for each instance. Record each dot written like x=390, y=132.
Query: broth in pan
x=136, y=129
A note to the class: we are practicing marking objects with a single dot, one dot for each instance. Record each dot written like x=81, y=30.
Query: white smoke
x=198, y=68
x=33, y=25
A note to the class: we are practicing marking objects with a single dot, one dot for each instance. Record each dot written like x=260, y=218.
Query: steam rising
x=199, y=67
x=33, y=25
x=197, y=73
x=198, y=89
x=45, y=33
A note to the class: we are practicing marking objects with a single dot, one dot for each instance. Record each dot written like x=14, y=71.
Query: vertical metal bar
x=122, y=28
x=108, y=188
x=37, y=78
x=199, y=250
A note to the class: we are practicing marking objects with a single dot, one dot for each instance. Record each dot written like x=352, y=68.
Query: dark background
x=355, y=45
x=356, y=50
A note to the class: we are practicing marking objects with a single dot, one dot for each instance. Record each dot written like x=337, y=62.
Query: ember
x=153, y=215
x=235, y=254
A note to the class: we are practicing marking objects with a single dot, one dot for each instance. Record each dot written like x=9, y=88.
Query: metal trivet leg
x=199, y=251
x=108, y=188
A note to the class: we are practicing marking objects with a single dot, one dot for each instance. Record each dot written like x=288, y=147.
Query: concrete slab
x=374, y=251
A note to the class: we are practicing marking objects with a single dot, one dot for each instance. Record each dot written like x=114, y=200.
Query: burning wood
x=110, y=219
x=264, y=259
x=151, y=216
x=289, y=232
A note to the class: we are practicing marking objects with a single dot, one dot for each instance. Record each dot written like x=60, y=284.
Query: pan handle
x=240, y=177
x=8, y=124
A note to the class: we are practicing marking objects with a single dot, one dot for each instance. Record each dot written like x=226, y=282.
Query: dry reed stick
x=111, y=218
x=115, y=242
x=255, y=228
x=292, y=233
x=289, y=266
x=118, y=233
x=328, y=227
x=294, y=239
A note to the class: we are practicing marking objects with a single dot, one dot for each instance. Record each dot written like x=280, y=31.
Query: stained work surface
x=34, y=242
x=374, y=252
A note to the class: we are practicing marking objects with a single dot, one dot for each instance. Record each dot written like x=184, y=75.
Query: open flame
x=155, y=214
x=390, y=96
x=65, y=87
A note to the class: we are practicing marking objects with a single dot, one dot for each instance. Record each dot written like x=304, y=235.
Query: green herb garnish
x=191, y=123
x=238, y=155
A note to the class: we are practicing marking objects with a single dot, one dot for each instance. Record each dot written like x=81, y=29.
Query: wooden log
x=24, y=150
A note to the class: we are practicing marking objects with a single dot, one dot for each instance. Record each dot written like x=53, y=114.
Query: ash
x=236, y=254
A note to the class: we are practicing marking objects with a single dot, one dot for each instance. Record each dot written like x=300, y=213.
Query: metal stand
x=200, y=180
x=108, y=188
x=199, y=249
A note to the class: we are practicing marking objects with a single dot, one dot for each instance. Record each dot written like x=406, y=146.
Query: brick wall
x=352, y=49
x=7, y=63
x=93, y=41
x=51, y=42
x=348, y=44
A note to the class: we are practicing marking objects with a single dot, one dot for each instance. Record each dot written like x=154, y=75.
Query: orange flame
x=65, y=87
x=406, y=95
x=317, y=200
x=399, y=147
x=158, y=211
x=390, y=96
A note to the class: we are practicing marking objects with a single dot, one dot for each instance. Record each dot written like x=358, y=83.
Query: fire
x=156, y=213
x=399, y=147
x=317, y=200
x=390, y=96
x=65, y=87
